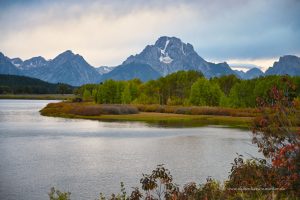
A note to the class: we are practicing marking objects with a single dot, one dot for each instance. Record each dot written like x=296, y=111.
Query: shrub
x=86, y=110
x=276, y=136
x=182, y=110
x=95, y=110
x=159, y=185
x=58, y=195
x=210, y=190
x=119, y=109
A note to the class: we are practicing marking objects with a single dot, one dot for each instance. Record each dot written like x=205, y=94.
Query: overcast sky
x=107, y=32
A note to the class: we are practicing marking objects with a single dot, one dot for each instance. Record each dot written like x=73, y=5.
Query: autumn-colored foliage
x=277, y=136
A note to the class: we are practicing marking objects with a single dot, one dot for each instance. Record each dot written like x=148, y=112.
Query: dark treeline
x=187, y=88
x=11, y=84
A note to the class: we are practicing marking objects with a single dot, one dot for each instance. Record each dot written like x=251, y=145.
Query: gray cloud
x=108, y=31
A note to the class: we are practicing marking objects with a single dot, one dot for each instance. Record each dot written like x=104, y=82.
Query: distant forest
x=189, y=88
x=12, y=84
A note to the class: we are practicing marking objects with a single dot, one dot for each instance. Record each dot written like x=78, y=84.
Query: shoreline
x=37, y=96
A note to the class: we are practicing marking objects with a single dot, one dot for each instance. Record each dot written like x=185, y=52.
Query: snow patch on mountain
x=164, y=50
x=182, y=49
x=16, y=64
x=104, y=69
x=164, y=57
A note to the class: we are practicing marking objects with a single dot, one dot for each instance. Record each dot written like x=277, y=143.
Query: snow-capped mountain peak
x=170, y=54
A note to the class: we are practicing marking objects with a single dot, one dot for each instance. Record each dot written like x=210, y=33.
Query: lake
x=88, y=157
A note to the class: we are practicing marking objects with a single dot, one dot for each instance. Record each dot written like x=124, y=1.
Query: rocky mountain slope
x=129, y=71
x=286, y=65
x=6, y=67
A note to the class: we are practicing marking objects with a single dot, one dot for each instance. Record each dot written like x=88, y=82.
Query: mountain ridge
x=250, y=74
x=165, y=56
x=66, y=67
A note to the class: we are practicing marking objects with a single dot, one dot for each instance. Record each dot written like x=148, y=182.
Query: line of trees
x=12, y=84
x=187, y=88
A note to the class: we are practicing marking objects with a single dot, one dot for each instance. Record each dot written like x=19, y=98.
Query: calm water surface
x=88, y=157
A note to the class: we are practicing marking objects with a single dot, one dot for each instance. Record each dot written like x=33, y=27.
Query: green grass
x=177, y=120
x=37, y=96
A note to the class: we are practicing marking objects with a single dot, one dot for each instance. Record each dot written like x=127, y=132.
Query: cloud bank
x=106, y=32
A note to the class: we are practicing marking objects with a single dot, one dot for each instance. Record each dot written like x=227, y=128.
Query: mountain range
x=167, y=55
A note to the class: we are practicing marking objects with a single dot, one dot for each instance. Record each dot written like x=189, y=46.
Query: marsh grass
x=197, y=110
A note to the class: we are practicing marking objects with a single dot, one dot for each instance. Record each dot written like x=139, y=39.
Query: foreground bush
x=241, y=186
x=277, y=136
x=58, y=195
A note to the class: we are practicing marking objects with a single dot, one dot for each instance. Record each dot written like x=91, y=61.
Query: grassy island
x=173, y=116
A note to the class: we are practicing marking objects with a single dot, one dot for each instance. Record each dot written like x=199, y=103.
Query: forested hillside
x=188, y=88
x=12, y=84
